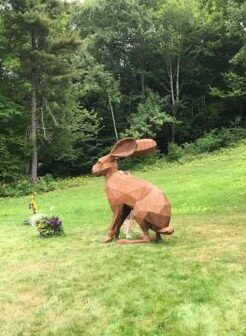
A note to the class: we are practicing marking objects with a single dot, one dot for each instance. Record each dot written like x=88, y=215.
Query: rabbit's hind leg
x=158, y=236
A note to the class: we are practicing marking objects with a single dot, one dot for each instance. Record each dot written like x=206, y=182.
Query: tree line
x=75, y=77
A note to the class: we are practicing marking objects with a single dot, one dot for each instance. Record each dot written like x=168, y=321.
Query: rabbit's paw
x=123, y=241
x=107, y=239
x=127, y=241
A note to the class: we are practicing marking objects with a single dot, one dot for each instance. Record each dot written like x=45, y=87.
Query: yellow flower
x=33, y=204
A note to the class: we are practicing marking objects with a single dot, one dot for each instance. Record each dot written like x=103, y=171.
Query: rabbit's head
x=122, y=149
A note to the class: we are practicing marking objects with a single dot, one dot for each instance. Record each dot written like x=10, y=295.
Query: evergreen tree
x=12, y=124
x=43, y=51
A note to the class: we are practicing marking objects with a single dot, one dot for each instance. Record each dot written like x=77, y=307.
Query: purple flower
x=54, y=222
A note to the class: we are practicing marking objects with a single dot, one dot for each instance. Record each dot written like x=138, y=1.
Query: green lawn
x=192, y=283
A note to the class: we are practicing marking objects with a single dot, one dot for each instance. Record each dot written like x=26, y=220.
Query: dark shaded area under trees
x=74, y=77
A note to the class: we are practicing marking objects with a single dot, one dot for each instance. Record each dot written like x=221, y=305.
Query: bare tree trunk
x=177, y=80
x=141, y=61
x=27, y=168
x=33, y=132
x=174, y=79
x=173, y=129
x=142, y=83
x=175, y=99
x=33, y=135
x=171, y=76
x=170, y=72
x=113, y=118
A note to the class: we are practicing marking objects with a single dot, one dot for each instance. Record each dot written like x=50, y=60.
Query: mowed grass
x=192, y=283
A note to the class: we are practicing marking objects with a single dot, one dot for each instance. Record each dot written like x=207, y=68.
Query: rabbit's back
x=122, y=188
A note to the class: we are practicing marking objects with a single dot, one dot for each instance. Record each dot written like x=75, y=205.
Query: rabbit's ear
x=144, y=146
x=124, y=148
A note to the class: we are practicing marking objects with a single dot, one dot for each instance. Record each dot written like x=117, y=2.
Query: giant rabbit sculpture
x=125, y=192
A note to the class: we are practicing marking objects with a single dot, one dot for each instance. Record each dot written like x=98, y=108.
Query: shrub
x=26, y=186
x=214, y=140
x=175, y=152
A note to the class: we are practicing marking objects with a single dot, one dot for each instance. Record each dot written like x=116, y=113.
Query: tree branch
x=49, y=110
x=43, y=127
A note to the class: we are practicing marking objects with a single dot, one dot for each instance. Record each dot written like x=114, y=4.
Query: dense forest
x=75, y=77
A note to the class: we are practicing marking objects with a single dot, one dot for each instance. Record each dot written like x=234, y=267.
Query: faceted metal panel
x=125, y=192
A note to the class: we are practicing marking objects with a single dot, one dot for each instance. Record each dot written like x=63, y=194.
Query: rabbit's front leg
x=116, y=223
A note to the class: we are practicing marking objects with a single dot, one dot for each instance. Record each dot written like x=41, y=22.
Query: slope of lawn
x=192, y=283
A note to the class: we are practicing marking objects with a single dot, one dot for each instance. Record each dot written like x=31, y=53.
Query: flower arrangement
x=49, y=226
x=46, y=226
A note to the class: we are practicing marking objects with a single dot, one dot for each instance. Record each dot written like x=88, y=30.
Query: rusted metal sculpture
x=125, y=192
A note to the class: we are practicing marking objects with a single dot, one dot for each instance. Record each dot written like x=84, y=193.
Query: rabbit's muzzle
x=96, y=170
